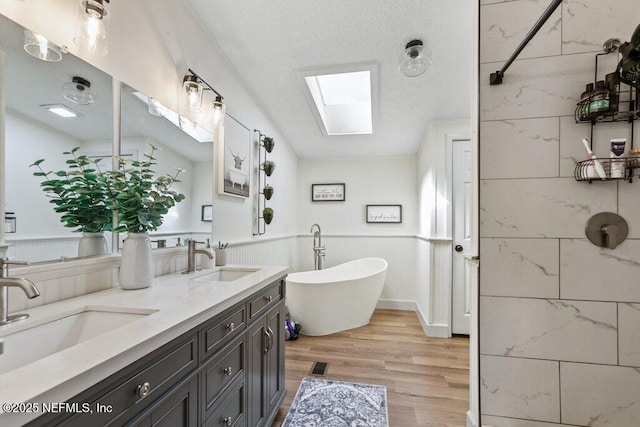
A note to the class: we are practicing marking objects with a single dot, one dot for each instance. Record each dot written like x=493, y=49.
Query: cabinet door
x=256, y=371
x=275, y=358
x=178, y=408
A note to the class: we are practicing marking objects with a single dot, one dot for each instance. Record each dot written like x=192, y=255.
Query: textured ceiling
x=269, y=41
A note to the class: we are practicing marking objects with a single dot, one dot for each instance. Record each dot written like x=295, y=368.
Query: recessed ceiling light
x=60, y=110
x=343, y=101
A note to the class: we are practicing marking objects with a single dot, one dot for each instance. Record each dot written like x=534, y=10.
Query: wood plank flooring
x=427, y=379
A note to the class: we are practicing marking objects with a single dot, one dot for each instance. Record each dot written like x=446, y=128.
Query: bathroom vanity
x=201, y=349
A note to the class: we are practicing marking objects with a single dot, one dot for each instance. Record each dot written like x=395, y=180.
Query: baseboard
x=393, y=304
x=436, y=330
x=470, y=420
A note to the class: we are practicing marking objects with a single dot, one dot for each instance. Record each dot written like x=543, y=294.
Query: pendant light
x=191, y=93
x=218, y=108
x=78, y=91
x=39, y=47
x=92, y=27
x=415, y=59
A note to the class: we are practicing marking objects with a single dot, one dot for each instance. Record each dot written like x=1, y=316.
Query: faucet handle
x=4, y=265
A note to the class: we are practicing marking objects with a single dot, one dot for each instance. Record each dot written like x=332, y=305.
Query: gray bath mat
x=334, y=403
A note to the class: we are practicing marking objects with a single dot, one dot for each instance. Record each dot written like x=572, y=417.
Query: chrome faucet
x=318, y=249
x=5, y=281
x=192, y=251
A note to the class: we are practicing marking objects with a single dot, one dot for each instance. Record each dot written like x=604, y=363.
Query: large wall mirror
x=182, y=144
x=33, y=230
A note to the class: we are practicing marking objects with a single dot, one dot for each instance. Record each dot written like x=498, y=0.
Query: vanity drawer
x=266, y=299
x=137, y=391
x=221, y=329
x=221, y=371
x=231, y=410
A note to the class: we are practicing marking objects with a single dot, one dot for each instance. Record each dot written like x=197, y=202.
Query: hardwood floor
x=427, y=379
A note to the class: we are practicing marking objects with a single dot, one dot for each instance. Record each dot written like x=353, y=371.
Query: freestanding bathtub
x=337, y=298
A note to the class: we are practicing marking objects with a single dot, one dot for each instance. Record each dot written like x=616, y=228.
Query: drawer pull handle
x=143, y=389
x=230, y=327
x=228, y=371
x=228, y=421
x=268, y=298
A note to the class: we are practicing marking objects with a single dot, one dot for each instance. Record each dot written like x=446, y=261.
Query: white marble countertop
x=181, y=304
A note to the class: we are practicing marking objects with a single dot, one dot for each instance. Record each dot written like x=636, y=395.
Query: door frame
x=450, y=139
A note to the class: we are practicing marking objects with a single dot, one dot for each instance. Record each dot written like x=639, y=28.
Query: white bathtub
x=337, y=298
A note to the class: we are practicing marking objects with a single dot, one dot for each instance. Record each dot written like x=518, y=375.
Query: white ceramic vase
x=93, y=244
x=136, y=264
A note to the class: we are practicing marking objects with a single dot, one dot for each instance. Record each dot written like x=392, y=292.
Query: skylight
x=343, y=101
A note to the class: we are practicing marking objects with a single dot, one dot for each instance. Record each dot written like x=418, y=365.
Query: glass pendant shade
x=415, y=59
x=218, y=108
x=41, y=48
x=78, y=91
x=91, y=33
x=192, y=94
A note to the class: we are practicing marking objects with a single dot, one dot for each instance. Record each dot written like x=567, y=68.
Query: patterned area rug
x=326, y=403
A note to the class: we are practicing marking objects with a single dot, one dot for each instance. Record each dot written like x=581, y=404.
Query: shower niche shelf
x=265, y=191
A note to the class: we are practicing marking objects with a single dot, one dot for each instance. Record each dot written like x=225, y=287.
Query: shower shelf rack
x=263, y=150
x=629, y=95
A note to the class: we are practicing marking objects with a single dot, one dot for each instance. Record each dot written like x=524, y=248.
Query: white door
x=462, y=215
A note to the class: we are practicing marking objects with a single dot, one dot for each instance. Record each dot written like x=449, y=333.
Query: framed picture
x=389, y=214
x=207, y=213
x=327, y=192
x=233, y=144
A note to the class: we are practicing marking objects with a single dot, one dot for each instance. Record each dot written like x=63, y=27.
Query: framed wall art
x=234, y=158
x=207, y=213
x=327, y=192
x=384, y=214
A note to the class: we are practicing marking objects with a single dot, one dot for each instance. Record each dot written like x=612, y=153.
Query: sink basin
x=226, y=274
x=68, y=329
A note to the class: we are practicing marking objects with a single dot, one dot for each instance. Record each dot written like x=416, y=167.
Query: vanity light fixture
x=78, y=91
x=39, y=47
x=92, y=27
x=415, y=59
x=193, y=87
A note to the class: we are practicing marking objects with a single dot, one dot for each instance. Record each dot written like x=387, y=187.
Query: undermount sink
x=36, y=342
x=226, y=274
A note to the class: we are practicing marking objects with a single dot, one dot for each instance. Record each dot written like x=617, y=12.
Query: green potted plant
x=268, y=166
x=267, y=215
x=268, y=143
x=81, y=195
x=267, y=191
x=140, y=199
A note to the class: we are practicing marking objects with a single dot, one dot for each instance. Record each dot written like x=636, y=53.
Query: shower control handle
x=458, y=248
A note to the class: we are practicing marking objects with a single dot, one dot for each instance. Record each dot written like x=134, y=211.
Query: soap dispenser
x=205, y=262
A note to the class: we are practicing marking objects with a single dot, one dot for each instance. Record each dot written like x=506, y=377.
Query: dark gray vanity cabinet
x=265, y=382
x=227, y=371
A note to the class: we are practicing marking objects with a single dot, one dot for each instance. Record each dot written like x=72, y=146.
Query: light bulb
x=91, y=32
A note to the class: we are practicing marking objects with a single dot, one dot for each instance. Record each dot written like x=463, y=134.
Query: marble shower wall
x=559, y=317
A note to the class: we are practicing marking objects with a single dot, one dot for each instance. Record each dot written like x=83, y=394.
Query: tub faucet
x=191, y=255
x=5, y=281
x=318, y=249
